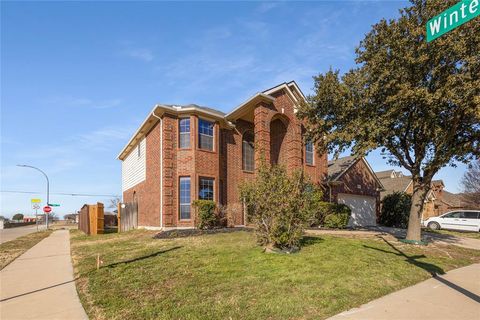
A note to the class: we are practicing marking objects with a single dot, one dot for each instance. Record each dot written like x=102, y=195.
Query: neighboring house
x=183, y=153
x=438, y=200
x=352, y=181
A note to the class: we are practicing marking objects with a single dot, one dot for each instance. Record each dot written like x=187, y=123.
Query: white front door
x=363, y=209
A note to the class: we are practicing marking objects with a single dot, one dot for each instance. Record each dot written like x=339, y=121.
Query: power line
x=64, y=194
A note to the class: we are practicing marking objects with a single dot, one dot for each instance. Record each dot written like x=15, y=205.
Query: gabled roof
x=289, y=88
x=392, y=185
x=338, y=167
x=211, y=113
x=385, y=174
x=158, y=111
x=452, y=199
x=247, y=105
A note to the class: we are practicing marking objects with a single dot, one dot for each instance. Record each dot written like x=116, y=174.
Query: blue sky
x=79, y=77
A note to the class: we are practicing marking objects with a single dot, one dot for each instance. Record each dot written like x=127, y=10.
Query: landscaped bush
x=279, y=205
x=206, y=217
x=336, y=215
x=395, y=210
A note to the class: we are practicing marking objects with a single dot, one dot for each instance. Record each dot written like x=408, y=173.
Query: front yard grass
x=227, y=276
x=10, y=250
x=461, y=234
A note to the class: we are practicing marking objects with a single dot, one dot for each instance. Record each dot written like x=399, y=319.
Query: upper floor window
x=184, y=128
x=205, y=189
x=248, y=151
x=205, y=134
x=309, y=152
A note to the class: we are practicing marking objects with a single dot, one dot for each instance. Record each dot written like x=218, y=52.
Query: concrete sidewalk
x=454, y=295
x=39, y=284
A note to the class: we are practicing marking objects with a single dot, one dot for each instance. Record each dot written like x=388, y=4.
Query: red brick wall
x=224, y=163
x=358, y=174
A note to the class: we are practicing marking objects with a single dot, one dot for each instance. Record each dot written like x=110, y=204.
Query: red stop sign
x=47, y=209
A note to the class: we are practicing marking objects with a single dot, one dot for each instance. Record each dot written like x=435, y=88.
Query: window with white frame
x=309, y=152
x=184, y=129
x=184, y=196
x=205, y=190
x=205, y=134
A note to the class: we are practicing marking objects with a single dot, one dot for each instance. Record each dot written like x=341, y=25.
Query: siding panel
x=134, y=167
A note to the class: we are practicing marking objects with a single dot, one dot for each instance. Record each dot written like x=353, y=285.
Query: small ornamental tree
x=418, y=101
x=280, y=206
x=206, y=217
x=17, y=217
x=395, y=210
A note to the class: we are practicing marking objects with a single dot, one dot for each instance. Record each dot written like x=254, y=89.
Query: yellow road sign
x=36, y=200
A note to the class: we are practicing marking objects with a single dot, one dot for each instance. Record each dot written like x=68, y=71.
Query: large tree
x=418, y=101
x=471, y=184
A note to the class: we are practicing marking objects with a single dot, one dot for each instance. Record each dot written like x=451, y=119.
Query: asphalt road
x=13, y=233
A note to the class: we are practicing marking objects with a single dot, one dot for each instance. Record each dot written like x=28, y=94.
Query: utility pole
x=48, y=187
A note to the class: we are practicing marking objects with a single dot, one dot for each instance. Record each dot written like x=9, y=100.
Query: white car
x=465, y=220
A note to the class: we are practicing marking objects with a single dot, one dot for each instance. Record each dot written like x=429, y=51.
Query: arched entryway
x=278, y=146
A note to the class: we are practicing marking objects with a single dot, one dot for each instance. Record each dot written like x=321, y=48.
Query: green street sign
x=54, y=205
x=451, y=18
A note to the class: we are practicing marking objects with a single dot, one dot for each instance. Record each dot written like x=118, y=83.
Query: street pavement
x=454, y=295
x=13, y=233
x=39, y=284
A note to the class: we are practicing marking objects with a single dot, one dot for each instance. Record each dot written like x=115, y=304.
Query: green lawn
x=10, y=250
x=462, y=234
x=226, y=276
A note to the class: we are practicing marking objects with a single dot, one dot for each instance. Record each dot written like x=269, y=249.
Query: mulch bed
x=184, y=233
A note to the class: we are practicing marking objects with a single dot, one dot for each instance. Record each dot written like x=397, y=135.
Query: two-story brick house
x=183, y=153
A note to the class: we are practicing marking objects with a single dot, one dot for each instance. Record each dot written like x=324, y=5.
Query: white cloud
x=142, y=54
x=266, y=6
x=71, y=101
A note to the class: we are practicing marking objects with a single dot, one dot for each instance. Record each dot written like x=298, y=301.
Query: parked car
x=464, y=220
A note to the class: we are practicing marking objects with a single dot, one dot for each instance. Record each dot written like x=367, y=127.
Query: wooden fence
x=91, y=218
x=127, y=216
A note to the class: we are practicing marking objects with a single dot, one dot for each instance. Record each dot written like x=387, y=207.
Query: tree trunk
x=420, y=191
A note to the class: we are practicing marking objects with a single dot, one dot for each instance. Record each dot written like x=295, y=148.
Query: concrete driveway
x=13, y=233
x=454, y=295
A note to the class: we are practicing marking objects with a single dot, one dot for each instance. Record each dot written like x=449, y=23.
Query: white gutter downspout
x=161, y=167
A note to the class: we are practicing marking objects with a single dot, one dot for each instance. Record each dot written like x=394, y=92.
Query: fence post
x=119, y=205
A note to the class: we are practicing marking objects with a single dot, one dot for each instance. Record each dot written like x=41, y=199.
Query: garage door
x=363, y=209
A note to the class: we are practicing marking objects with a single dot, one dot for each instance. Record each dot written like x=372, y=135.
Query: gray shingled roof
x=384, y=174
x=192, y=105
x=392, y=185
x=336, y=167
x=455, y=200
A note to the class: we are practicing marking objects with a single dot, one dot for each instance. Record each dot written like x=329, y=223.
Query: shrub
x=206, y=217
x=395, y=210
x=17, y=217
x=336, y=215
x=279, y=205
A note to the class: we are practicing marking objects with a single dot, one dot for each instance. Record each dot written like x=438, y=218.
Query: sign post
x=47, y=210
x=36, y=206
